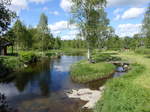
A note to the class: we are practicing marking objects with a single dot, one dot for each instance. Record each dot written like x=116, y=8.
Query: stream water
x=42, y=87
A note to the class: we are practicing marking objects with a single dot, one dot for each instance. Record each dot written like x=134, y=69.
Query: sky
x=125, y=15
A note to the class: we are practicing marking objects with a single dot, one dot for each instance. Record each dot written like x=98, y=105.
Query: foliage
x=21, y=36
x=28, y=57
x=6, y=16
x=91, y=20
x=43, y=36
x=9, y=63
x=84, y=71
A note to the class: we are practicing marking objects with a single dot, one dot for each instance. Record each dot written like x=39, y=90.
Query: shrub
x=9, y=63
x=28, y=57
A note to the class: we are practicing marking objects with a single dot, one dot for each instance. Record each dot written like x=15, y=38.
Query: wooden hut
x=3, y=46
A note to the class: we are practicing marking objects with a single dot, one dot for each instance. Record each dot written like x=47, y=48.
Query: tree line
x=93, y=24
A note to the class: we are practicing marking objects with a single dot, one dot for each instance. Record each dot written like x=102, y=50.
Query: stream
x=41, y=87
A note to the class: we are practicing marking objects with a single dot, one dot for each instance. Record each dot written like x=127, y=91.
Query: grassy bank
x=131, y=92
x=84, y=71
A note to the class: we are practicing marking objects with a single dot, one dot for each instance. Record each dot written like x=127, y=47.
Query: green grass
x=131, y=92
x=143, y=51
x=84, y=71
x=103, y=57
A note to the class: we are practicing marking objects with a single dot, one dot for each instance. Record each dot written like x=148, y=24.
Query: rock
x=91, y=96
x=84, y=91
x=102, y=88
x=25, y=65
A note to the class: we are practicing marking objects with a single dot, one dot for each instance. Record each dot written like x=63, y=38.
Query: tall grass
x=143, y=51
x=122, y=95
x=84, y=71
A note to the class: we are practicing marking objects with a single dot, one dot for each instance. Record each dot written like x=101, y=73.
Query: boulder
x=86, y=94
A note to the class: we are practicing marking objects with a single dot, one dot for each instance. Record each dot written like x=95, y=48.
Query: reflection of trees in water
x=4, y=107
x=44, y=84
x=32, y=74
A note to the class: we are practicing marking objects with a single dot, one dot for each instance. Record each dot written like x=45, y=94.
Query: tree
x=87, y=15
x=44, y=34
x=146, y=26
x=10, y=35
x=104, y=31
x=23, y=39
x=6, y=16
x=114, y=43
x=57, y=43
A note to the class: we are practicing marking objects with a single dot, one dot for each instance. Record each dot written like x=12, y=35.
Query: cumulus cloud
x=133, y=13
x=18, y=5
x=114, y=3
x=65, y=5
x=64, y=29
x=38, y=1
x=129, y=14
x=128, y=29
x=61, y=25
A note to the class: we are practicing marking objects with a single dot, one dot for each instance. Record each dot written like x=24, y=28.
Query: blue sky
x=125, y=15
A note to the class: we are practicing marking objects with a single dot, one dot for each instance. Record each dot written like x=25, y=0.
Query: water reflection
x=42, y=84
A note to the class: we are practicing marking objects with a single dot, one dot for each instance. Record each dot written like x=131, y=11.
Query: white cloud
x=65, y=5
x=54, y=13
x=113, y=3
x=128, y=29
x=38, y=1
x=18, y=5
x=133, y=13
x=61, y=25
x=64, y=29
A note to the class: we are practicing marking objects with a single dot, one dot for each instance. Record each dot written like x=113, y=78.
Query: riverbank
x=84, y=72
x=23, y=59
x=129, y=93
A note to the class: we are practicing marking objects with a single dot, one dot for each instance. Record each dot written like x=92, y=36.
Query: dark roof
x=4, y=42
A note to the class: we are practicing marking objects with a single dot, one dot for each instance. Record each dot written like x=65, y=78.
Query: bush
x=9, y=63
x=28, y=57
x=84, y=71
